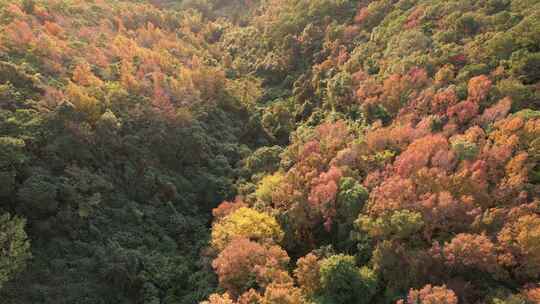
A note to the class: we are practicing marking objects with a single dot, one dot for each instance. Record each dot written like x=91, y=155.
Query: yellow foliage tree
x=282, y=294
x=219, y=299
x=267, y=186
x=521, y=239
x=246, y=223
x=83, y=102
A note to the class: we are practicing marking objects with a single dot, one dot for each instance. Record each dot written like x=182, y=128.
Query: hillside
x=270, y=151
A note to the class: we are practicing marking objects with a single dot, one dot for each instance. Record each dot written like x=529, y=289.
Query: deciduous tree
x=246, y=223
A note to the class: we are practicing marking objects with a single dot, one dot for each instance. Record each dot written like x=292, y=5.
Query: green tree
x=38, y=196
x=11, y=156
x=343, y=282
x=14, y=247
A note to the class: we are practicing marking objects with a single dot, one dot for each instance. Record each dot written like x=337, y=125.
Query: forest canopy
x=270, y=151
